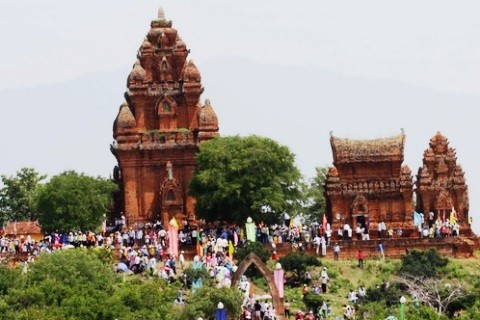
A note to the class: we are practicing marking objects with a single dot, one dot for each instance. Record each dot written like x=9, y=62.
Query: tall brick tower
x=441, y=184
x=158, y=129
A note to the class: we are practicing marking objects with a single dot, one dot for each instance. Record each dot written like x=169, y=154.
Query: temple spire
x=161, y=14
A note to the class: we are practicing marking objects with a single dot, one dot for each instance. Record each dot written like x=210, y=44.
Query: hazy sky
x=427, y=43
x=293, y=71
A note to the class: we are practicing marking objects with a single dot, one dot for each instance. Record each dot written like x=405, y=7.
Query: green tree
x=238, y=177
x=79, y=284
x=17, y=197
x=313, y=301
x=204, y=302
x=297, y=263
x=255, y=247
x=9, y=278
x=315, y=203
x=72, y=201
x=422, y=263
x=390, y=295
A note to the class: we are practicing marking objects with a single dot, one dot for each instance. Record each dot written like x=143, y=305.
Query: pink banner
x=278, y=277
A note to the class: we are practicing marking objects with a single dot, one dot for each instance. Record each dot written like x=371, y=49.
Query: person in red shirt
x=360, y=257
x=274, y=255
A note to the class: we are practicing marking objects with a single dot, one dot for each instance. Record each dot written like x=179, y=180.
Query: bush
x=313, y=301
x=8, y=278
x=205, y=300
x=193, y=274
x=373, y=310
x=255, y=247
x=298, y=263
x=423, y=263
x=390, y=296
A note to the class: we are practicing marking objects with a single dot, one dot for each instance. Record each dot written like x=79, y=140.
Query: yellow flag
x=231, y=249
x=453, y=216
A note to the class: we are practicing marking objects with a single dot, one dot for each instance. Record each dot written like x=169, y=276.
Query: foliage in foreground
x=77, y=284
x=204, y=302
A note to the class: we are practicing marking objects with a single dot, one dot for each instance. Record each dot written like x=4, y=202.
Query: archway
x=252, y=258
x=359, y=211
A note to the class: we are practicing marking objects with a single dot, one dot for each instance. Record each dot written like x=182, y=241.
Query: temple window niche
x=166, y=107
x=170, y=195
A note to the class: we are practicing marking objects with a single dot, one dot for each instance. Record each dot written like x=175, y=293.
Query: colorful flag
x=251, y=230
x=279, y=281
x=173, y=237
x=453, y=216
x=417, y=219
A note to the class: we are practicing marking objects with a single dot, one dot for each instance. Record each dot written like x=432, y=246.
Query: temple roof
x=374, y=150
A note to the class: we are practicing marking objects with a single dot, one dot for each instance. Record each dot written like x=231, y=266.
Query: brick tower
x=158, y=129
x=441, y=184
x=369, y=183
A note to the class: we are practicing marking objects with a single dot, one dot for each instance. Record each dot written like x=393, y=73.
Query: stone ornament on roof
x=191, y=73
x=125, y=118
x=138, y=73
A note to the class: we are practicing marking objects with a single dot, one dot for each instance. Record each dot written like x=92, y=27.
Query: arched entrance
x=360, y=211
x=267, y=274
x=443, y=204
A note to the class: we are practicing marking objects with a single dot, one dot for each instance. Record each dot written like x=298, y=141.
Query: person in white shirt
x=181, y=259
x=316, y=244
x=323, y=245
x=328, y=233
x=324, y=279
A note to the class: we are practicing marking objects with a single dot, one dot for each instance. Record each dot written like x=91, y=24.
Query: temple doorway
x=360, y=220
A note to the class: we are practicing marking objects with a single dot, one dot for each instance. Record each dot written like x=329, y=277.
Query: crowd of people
x=146, y=248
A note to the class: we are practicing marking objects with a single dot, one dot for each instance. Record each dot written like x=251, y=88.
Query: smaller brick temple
x=441, y=184
x=369, y=183
x=158, y=129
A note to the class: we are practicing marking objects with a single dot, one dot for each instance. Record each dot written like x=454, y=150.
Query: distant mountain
x=62, y=126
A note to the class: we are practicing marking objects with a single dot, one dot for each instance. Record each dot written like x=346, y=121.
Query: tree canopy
x=77, y=284
x=72, y=201
x=315, y=195
x=238, y=177
x=17, y=197
x=423, y=263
